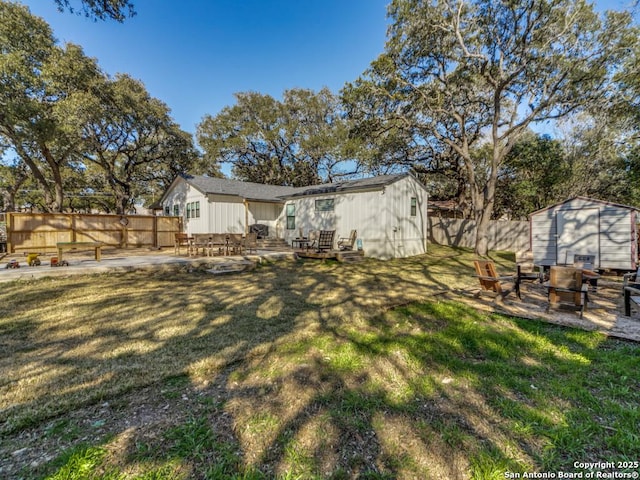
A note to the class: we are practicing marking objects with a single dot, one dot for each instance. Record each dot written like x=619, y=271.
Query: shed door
x=577, y=234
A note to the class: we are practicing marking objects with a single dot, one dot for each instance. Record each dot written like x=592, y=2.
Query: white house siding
x=176, y=196
x=374, y=214
x=195, y=225
x=226, y=214
x=406, y=234
x=585, y=226
x=360, y=211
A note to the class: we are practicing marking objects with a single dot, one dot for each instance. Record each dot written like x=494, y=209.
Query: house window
x=414, y=206
x=193, y=210
x=167, y=210
x=176, y=210
x=291, y=216
x=325, y=205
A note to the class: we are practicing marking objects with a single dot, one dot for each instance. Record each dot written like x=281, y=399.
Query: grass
x=301, y=370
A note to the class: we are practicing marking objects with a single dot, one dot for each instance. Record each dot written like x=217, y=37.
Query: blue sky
x=195, y=54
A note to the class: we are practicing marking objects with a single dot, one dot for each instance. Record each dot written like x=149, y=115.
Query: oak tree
x=457, y=74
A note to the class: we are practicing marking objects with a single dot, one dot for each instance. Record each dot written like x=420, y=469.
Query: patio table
x=302, y=242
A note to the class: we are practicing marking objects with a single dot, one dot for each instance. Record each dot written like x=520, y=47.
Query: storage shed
x=584, y=226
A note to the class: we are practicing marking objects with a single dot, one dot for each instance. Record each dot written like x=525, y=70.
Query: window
x=176, y=210
x=414, y=206
x=325, y=205
x=167, y=210
x=193, y=210
x=291, y=216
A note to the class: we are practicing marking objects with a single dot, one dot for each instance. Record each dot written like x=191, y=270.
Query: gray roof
x=275, y=193
x=586, y=199
x=349, y=186
x=248, y=190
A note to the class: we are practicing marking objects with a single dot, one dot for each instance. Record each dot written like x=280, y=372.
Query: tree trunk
x=482, y=233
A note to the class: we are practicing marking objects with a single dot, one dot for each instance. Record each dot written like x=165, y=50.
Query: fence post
x=10, y=247
x=155, y=231
x=72, y=221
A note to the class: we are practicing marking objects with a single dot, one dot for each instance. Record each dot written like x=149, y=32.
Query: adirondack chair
x=565, y=287
x=325, y=240
x=631, y=280
x=489, y=279
x=347, y=243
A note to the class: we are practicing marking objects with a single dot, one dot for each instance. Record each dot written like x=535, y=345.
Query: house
x=389, y=211
x=584, y=226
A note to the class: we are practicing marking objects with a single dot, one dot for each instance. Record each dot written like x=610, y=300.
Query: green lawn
x=301, y=370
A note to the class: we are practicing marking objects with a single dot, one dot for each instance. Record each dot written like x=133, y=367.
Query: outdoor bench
x=62, y=246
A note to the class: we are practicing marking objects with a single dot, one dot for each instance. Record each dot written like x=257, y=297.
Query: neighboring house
x=389, y=211
x=584, y=226
x=445, y=209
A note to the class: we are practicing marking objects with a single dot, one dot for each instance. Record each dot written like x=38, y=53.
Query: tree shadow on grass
x=293, y=370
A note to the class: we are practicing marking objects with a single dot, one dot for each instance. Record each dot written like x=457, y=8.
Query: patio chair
x=631, y=280
x=202, y=241
x=565, y=287
x=348, y=242
x=235, y=243
x=489, y=279
x=325, y=240
x=251, y=242
x=584, y=262
x=527, y=273
x=589, y=275
x=312, y=241
x=631, y=296
x=182, y=240
x=219, y=243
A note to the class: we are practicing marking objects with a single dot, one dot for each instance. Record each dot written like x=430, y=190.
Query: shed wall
x=616, y=234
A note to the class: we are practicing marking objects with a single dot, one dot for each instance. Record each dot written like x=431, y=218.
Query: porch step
x=350, y=256
x=273, y=244
x=231, y=267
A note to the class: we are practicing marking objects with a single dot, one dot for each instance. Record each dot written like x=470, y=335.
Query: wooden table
x=62, y=246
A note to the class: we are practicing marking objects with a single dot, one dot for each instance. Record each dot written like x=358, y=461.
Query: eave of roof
x=370, y=183
x=277, y=194
x=586, y=199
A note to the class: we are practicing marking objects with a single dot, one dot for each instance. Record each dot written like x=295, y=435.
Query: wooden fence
x=503, y=235
x=42, y=231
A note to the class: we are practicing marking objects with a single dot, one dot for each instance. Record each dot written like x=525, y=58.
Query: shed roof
x=586, y=199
